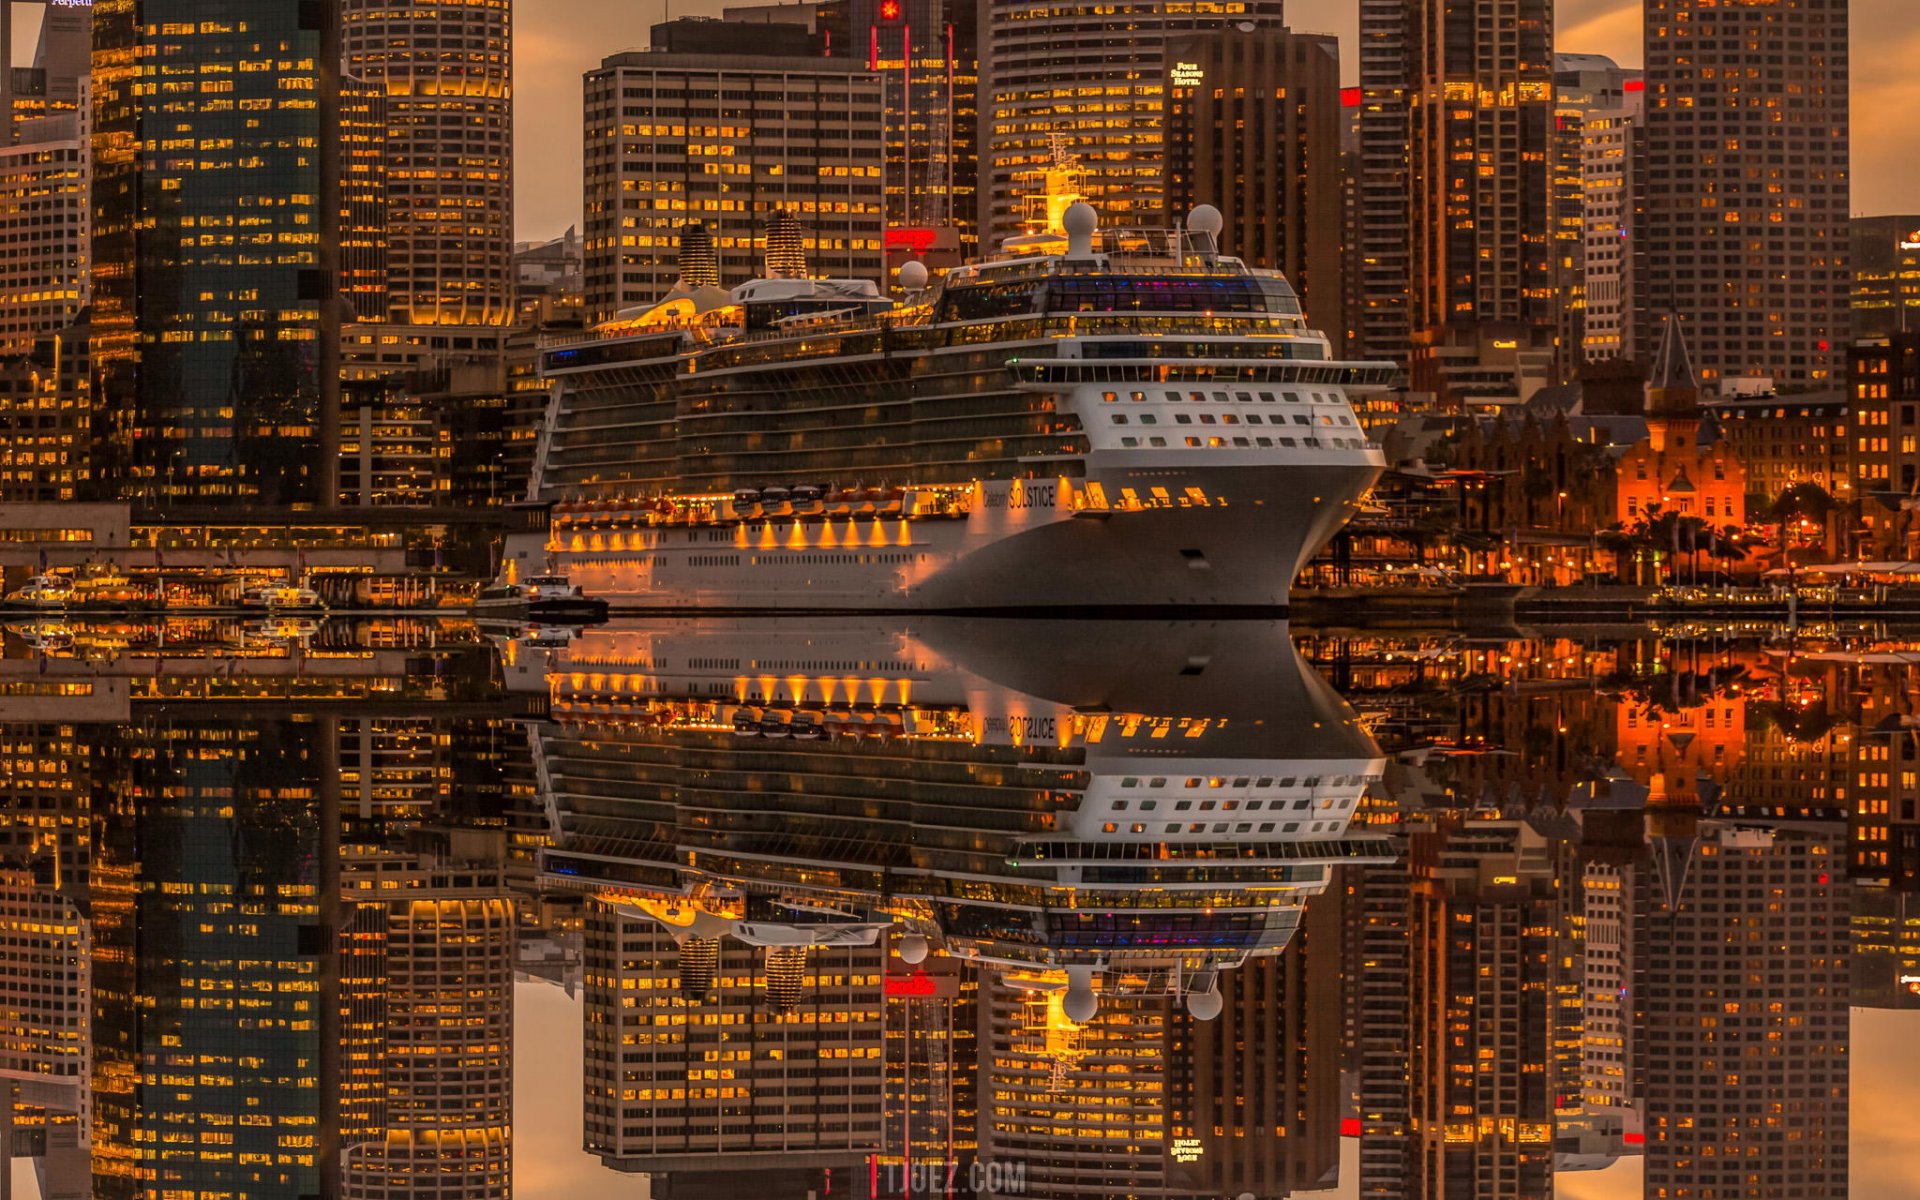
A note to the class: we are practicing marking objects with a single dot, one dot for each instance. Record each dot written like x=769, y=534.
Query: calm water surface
x=938, y=907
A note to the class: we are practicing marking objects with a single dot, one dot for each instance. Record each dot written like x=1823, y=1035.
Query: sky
x=558, y=40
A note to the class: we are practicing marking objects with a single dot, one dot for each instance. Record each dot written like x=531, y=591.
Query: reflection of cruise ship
x=1146, y=425
x=1168, y=797
x=1101, y=827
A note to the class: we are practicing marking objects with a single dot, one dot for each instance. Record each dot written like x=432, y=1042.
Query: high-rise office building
x=800, y=134
x=1385, y=212
x=926, y=53
x=1480, y=139
x=44, y=198
x=445, y=69
x=1086, y=80
x=1596, y=144
x=364, y=171
x=210, y=1016
x=1253, y=128
x=1886, y=275
x=1747, y=181
x=55, y=85
x=215, y=213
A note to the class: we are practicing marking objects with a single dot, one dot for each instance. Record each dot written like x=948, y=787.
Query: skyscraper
x=1746, y=229
x=1596, y=150
x=55, y=84
x=1480, y=138
x=1088, y=79
x=1253, y=128
x=802, y=133
x=215, y=349
x=926, y=53
x=1385, y=212
x=445, y=68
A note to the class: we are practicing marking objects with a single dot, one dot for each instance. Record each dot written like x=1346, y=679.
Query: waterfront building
x=1481, y=925
x=1883, y=434
x=1253, y=124
x=800, y=134
x=215, y=353
x=1746, y=192
x=1479, y=81
x=1783, y=441
x=1672, y=471
x=211, y=1021
x=1085, y=81
x=445, y=69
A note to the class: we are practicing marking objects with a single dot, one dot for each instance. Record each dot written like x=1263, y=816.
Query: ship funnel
x=1079, y=223
x=786, y=249
x=1204, y=225
x=699, y=264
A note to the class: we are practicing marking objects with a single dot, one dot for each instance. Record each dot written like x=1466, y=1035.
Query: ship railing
x=932, y=502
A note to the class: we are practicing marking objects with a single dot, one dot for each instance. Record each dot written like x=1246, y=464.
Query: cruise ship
x=1095, y=422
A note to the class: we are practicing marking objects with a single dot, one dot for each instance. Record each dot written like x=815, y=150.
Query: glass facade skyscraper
x=215, y=332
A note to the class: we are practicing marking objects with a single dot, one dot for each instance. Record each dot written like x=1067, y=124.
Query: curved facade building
x=446, y=69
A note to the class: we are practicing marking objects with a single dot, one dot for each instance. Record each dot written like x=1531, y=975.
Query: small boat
x=42, y=593
x=283, y=598
x=549, y=599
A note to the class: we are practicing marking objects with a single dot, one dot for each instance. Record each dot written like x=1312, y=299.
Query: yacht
x=544, y=599
x=42, y=593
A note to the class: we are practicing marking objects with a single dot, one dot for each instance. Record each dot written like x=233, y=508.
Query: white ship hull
x=1222, y=537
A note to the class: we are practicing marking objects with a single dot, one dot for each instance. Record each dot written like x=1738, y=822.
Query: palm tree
x=1801, y=501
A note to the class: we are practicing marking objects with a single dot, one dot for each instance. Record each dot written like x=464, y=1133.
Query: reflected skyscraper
x=426, y=979
x=215, y=207
x=1746, y=1017
x=211, y=965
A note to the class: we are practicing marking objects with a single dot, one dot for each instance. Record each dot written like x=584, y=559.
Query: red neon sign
x=912, y=986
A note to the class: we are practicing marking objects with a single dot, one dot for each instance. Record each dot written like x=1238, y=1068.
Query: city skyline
x=559, y=40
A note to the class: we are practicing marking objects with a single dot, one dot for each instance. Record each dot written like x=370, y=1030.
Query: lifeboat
x=746, y=724
x=745, y=501
x=772, y=726
x=807, y=498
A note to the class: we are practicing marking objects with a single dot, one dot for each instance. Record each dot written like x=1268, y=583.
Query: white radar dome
x=1080, y=220
x=913, y=277
x=1080, y=1004
x=913, y=946
x=1206, y=219
x=1205, y=1006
